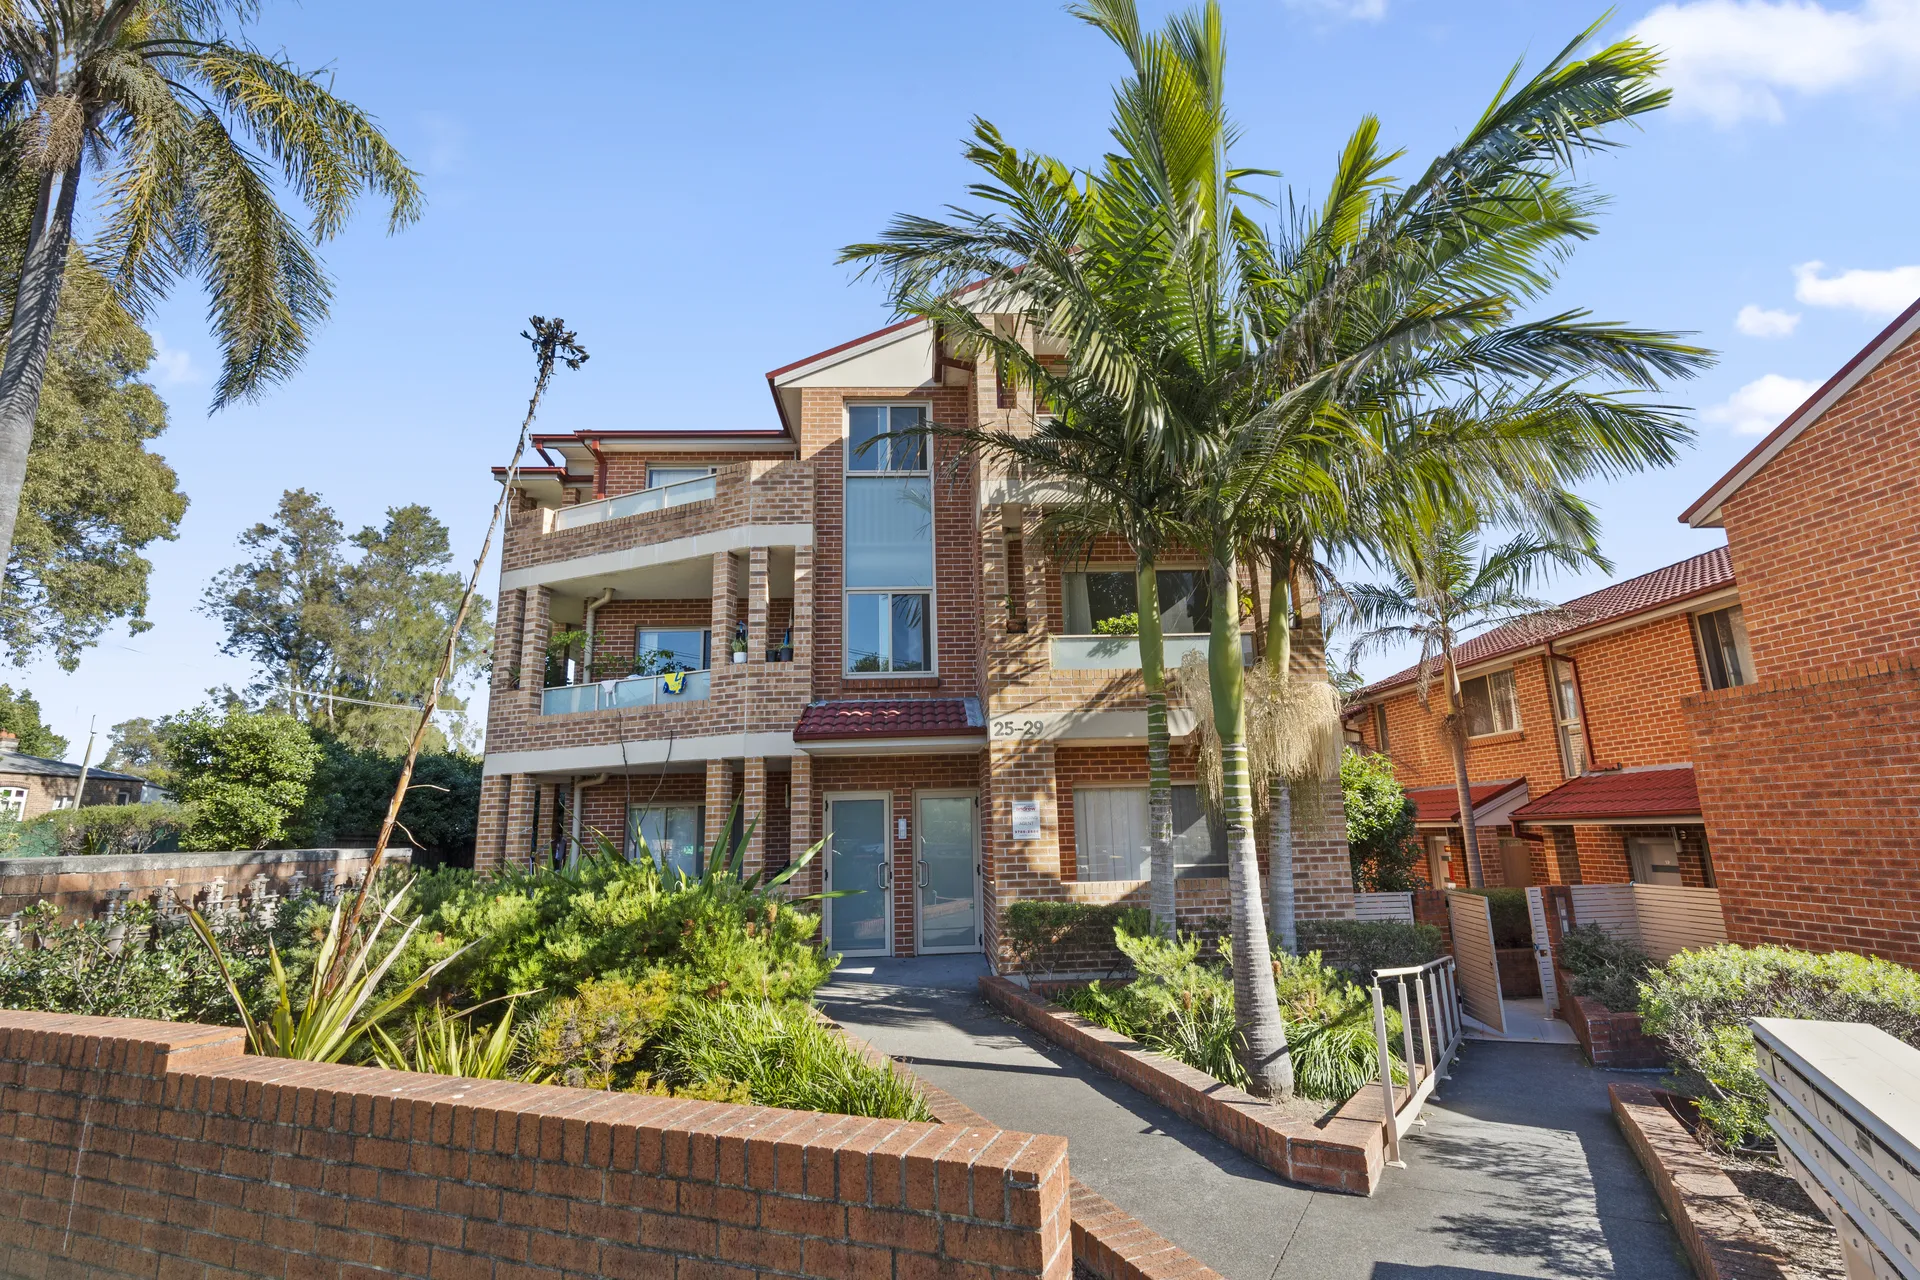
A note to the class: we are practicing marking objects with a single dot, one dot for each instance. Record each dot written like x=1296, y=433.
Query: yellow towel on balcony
x=676, y=681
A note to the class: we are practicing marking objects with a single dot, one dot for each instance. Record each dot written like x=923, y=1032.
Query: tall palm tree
x=1261, y=367
x=1444, y=590
x=175, y=121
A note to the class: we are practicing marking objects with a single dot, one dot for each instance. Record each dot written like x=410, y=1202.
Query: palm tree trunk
x=1280, y=885
x=1256, y=1009
x=30, y=337
x=1462, y=785
x=1153, y=671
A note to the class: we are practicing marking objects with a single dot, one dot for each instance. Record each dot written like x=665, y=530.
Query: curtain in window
x=1110, y=832
x=889, y=531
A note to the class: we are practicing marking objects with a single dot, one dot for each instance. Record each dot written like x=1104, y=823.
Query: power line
x=360, y=702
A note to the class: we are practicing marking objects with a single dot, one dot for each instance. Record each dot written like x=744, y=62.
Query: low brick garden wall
x=1343, y=1152
x=84, y=886
x=151, y=1148
x=1609, y=1039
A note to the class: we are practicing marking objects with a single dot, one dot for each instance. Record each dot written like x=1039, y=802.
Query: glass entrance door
x=946, y=886
x=859, y=866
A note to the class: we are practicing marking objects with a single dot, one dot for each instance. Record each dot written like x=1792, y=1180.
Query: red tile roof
x=1440, y=805
x=1663, y=792
x=890, y=718
x=1697, y=576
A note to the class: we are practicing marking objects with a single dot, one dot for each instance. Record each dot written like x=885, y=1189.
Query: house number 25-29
x=1028, y=727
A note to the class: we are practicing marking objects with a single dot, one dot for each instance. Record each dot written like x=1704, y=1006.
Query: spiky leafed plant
x=175, y=121
x=1443, y=591
x=1257, y=364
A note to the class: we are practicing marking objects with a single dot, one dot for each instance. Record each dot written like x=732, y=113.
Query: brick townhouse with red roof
x=1578, y=749
x=856, y=640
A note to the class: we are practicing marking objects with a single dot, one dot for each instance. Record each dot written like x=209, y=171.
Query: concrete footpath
x=1518, y=1172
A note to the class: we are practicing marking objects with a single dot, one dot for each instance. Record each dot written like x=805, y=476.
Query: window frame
x=931, y=592
x=636, y=812
x=1710, y=659
x=1492, y=705
x=1211, y=869
x=1569, y=727
x=13, y=803
x=705, y=473
x=1380, y=729
x=1131, y=571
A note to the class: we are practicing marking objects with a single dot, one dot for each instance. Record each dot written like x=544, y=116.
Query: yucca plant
x=445, y=1043
x=330, y=1021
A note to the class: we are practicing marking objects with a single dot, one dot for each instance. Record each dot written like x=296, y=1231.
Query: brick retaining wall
x=82, y=886
x=143, y=1148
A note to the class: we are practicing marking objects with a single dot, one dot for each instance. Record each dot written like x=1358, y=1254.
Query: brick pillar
x=726, y=590
x=506, y=642
x=536, y=622
x=753, y=814
x=719, y=800
x=521, y=795
x=1020, y=868
x=803, y=612
x=490, y=836
x=757, y=638
x=801, y=835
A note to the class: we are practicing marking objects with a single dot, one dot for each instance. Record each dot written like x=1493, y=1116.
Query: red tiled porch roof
x=1664, y=792
x=890, y=718
x=1438, y=806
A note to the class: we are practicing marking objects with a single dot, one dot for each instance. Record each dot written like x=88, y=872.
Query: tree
x=164, y=101
x=20, y=716
x=242, y=775
x=1441, y=593
x=1267, y=367
x=136, y=746
x=348, y=798
x=1380, y=832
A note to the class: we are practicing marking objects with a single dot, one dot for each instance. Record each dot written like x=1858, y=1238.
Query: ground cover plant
x=1603, y=967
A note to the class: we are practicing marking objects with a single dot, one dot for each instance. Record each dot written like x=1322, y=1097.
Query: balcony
x=1122, y=653
x=633, y=504
x=633, y=691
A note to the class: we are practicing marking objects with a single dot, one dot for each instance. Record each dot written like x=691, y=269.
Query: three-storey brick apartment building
x=1578, y=748
x=853, y=635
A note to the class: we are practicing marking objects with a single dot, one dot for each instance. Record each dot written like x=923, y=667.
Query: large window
x=673, y=834
x=1111, y=838
x=1566, y=715
x=889, y=541
x=1492, y=705
x=13, y=802
x=656, y=651
x=659, y=476
x=1112, y=597
x=1723, y=648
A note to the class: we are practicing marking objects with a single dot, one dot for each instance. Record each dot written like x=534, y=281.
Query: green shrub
x=594, y=1038
x=244, y=774
x=33, y=839
x=1380, y=835
x=1512, y=926
x=784, y=1056
x=1361, y=946
x=1045, y=936
x=1701, y=1001
x=1604, y=968
x=116, y=828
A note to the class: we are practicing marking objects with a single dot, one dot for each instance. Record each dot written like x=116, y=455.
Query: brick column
x=719, y=800
x=757, y=638
x=490, y=836
x=536, y=622
x=753, y=813
x=801, y=835
x=803, y=611
x=726, y=590
x=1024, y=868
x=521, y=794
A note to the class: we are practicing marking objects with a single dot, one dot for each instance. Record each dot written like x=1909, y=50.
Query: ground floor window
x=673, y=834
x=1111, y=837
x=13, y=802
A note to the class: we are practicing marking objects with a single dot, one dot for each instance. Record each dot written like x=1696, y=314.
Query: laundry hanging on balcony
x=676, y=681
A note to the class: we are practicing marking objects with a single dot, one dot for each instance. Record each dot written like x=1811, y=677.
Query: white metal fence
x=1430, y=1033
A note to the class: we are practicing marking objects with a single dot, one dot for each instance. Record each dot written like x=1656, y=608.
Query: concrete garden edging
x=1717, y=1227
x=1344, y=1152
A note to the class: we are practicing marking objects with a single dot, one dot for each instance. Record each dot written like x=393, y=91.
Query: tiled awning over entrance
x=891, y=718
x=1440, y=806
x=1663, y=792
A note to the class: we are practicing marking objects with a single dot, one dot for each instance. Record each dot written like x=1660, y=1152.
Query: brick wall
x=145, y=1148
x=83, y=886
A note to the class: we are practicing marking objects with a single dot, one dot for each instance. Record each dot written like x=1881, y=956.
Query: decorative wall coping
x=83, y=864
x=1344, y=1151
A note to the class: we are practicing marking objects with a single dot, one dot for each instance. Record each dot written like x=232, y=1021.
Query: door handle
x=923, y=873
x=886, y=873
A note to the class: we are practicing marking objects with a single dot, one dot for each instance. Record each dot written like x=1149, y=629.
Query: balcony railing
x=632, y=504
x=1122, y=653
x=635, y=691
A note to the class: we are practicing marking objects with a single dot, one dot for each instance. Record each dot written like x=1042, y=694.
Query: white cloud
x=1878, y=293
x=1730, y=60
x=173, y=367
x=1759, y=322
x=1758, y=407
x=1364, y=10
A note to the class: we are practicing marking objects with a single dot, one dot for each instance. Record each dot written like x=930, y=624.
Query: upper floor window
x=1107, y=602
x=1566, y=715
x=1492, y=704
x=889, y=541
x=655, y=652
x=1723, y=648
x=660, y=476
x=1380, y=727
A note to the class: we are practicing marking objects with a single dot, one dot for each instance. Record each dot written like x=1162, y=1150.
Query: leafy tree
x=1380, y=834
x=136, y=746
x=163, y=99
x=284, y=607
x=20, y=716
x=242, y=775
x=352, y=786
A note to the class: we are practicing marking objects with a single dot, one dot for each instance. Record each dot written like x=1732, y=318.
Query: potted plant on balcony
x=784, y=653
x=740, y=643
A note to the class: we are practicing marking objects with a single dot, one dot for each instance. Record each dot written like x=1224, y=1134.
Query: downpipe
x=579, y=785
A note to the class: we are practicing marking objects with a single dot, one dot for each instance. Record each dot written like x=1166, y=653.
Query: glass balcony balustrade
x=1122, y=653
x=632, y=504
x=633, y=691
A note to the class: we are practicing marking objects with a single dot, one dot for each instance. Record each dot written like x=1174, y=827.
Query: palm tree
x=162, y=102
x=1265, y=370
x=1443, y=591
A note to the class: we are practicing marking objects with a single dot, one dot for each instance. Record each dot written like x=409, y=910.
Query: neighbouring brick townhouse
x=1577, y=749
x=915, y=683
x=34, y=785
x=1809, y=773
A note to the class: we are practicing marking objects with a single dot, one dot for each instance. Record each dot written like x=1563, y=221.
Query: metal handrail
x=1437, y=1004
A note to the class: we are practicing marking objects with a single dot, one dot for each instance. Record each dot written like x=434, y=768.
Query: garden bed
x=1614, y=1040
x=1342, y=1148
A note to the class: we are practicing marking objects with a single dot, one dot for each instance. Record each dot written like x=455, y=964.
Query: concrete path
x=1519, y=1171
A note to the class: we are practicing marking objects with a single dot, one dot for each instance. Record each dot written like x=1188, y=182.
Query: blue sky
x=675, y=181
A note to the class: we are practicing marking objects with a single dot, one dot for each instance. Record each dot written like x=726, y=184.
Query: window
x=1492, y=706
x=13, y=802
x=1566, y=715
x=1111, y=839
x=659, y=476
x=889, y=541
x=1186, y=601
x=1723, y=648
x=673, y=834
x=655, y=651
x=1380, y=728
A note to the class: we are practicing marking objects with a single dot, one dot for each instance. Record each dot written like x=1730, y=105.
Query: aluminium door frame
x=979, y=892
x=826, y=904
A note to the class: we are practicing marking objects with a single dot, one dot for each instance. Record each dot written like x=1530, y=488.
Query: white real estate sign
x=1026, y=819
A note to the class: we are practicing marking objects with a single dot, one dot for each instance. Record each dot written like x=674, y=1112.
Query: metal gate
x=1542, y=949
x=1477, y=966
x=1430, y=1036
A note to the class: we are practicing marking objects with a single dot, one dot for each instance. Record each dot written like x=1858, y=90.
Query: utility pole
x=80, y=796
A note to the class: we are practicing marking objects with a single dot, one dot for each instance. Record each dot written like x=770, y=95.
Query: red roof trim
x=1864, y=362
x=1662, y=792
x=1440, y=806
x=889, y=718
